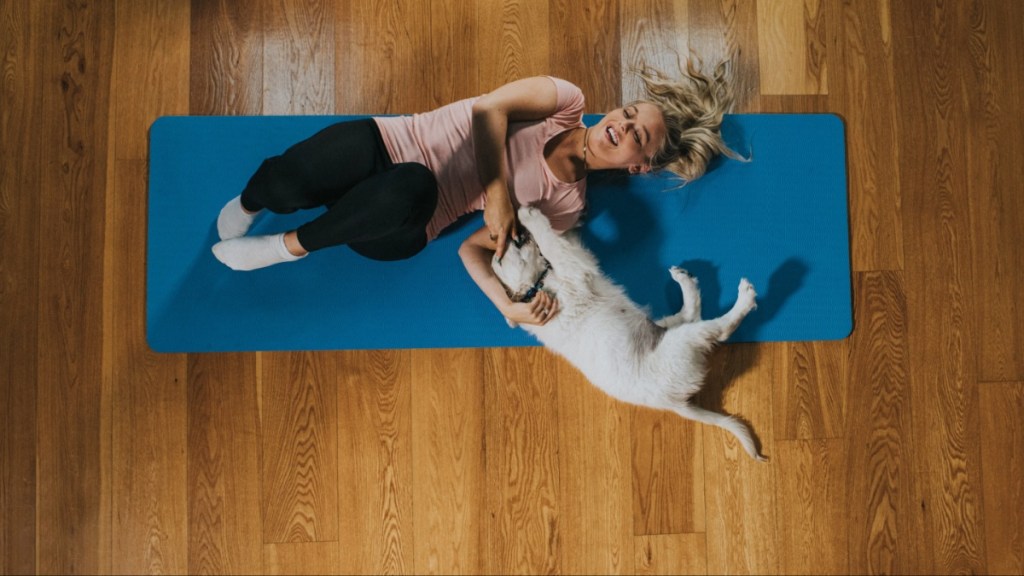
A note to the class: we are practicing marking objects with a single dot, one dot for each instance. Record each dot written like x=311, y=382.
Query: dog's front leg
x=566, y=257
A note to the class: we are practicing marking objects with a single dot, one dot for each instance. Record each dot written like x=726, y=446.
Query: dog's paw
x=747, y=294
x=682, y=276
x=531, y=215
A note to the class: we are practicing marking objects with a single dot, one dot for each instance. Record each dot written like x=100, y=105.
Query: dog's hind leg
x=722, y=327
x=691, y=300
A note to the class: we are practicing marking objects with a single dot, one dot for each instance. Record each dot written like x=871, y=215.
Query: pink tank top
x=442, y=140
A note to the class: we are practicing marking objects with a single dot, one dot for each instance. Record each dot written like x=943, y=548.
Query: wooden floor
x=898, y=450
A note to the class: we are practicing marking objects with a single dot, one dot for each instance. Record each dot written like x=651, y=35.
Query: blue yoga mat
x=779, y=220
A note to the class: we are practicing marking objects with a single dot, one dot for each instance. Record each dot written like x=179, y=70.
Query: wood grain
x=883, y=492
x=224, y=527
x=585, y=58
x=810, y=398
x=226, y=58
x=994, y=94
x=792, y=48
x=523, y=534
x=812, y=534
x=1002, y=440
x=939, y=277
x=449, y=494
x=73, y=459
x=22, y=29
x=671, y=554
x=299, y=413
x=863, y=82
x=298, y=57
x=514, y=43
x=149, y=425
x=667, y=455
x=726, y=30
x=375, y=463
x=150, y=419
x=595, y=500
x=741, y=521
x=302, y=558
x=654, y=33
x=382, y=57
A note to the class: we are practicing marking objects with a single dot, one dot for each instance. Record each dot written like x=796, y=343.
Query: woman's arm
x=476, y=253
x=522, y=100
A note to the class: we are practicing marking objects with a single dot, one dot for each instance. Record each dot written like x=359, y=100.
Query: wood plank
x=584, y=57
x=375, y=462
x=1002, y=441
x=150, y=419
x=810, y=400
x=792, y=47
x=521, y=426
x=939, y=280
x=667, y=454
x=886, y=521
x=595, y=502
x=449, y=494
x=151, y=59
x=721, y=30
x=741, y=517
x=671, y=554
x=302, y=558
x=454, y=28
x=149, y=425
x=298, y=390
x=382, y=57
x=299, y=440
x=812, y=528
x=73, y=459
x=995, y=173
x=224, y=527
x=298, y=57
x=862, y=86
x=22, y=29
x=515, y=42
x=226, y=58
x=653, y=33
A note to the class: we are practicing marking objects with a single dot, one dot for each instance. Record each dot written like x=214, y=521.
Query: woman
x=392, y=184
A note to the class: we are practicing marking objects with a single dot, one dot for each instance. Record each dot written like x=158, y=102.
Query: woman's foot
x=234, y=220
x=254, y=252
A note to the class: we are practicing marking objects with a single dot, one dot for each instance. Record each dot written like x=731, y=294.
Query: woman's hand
x=500, y=218
x=537, y=312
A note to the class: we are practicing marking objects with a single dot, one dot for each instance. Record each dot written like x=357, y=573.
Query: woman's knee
x=276, y=185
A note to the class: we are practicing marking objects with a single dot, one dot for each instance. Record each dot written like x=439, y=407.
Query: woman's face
x=627, y=138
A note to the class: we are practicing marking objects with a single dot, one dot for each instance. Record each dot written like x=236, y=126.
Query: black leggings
x=380, y=209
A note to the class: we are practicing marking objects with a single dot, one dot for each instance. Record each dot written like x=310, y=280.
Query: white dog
x=660, y=364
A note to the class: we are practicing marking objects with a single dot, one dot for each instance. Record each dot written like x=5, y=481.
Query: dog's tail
x=737, y=428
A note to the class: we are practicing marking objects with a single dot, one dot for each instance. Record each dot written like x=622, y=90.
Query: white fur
x=660, y=364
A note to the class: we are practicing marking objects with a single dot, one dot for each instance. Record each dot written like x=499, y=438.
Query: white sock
x=253, y=252
x=234, y=221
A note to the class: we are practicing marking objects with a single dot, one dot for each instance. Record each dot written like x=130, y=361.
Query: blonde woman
x=392, y=184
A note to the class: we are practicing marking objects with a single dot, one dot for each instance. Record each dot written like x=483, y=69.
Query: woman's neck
x=565, y=155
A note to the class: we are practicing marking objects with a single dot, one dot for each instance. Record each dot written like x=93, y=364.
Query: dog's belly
x=609, y=350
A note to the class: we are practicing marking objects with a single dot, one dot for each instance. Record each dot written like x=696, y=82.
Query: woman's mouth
x=612, y=136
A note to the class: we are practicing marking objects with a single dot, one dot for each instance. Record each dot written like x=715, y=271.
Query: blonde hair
x=692, y=108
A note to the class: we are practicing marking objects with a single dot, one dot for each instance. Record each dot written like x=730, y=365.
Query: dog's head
x=522, y=269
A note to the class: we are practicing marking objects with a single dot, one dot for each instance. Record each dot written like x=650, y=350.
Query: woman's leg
x=311, y=173
x=384, y=217
x=387, y=207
